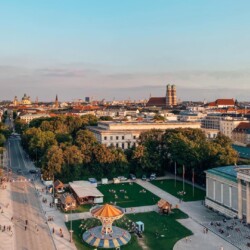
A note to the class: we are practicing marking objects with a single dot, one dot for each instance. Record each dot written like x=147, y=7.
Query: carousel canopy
x=107, y=210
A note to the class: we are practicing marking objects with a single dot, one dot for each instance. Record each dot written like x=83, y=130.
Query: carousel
x=107, y=236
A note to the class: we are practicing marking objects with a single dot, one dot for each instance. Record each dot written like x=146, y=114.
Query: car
x=152, y=176
x=122, y=178
x=144, y=177
x=132, y=177
x=33, y=171
x=92, y=180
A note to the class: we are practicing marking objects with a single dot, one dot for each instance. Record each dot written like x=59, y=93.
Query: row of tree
x=63, y=147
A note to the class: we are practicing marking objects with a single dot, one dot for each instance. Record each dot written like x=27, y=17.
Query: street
x=31, y=229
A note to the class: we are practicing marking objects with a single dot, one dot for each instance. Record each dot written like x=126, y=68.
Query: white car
x=122, y=178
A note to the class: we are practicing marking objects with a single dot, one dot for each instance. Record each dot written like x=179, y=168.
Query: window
x=128, y=144
x=117, y=137
x=111, y=137
x=117, y=145
x=122, y=137
x=134, y=137
x=122, y=145
x=105, y=137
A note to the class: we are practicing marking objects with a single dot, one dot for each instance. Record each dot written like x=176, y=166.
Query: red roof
x=222, y=102
x=157, y=101
x=225, y=102
x=243, y=125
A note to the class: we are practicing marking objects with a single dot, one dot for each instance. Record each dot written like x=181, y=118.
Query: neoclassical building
x=228, y=191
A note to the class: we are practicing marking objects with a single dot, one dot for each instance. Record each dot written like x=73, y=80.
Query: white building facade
x=126, y=134
x=228, y=191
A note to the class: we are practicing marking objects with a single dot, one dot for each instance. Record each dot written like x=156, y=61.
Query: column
x=239, y=199
x=230, y=197
x=248, y=202
x=221, y=193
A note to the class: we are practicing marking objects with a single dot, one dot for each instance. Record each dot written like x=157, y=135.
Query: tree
x=20, y=126
x=2, y=140
x=159, y=118
x=53, y=162
x=106, y=118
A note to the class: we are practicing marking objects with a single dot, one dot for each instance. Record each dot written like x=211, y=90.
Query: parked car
x=33, y=171
x=144, y=177
x=132, y=177
x=122, y=178
x=152, y=176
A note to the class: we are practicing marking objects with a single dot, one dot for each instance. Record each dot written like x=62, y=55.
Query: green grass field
x=161, y=231
x=134, y=197
x=169, y=186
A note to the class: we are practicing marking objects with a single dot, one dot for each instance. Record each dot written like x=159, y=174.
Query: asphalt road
x=26, y=204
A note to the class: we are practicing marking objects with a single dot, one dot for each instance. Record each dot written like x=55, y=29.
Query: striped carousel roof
x=95, y=238
x=107, y=211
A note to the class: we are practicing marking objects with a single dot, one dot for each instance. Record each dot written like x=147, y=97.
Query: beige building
x=228, y=124
x=241, y=134
x=125, y=134
x=29, y=116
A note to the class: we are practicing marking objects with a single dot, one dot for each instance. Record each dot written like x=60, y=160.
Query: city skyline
x=124, y=50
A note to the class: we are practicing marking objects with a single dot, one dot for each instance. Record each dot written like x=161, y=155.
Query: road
x=26, y=204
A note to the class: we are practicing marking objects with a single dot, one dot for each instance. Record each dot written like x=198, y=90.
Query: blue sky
x=119, y=49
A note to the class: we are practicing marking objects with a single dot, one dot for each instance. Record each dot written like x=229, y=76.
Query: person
x=25, y=227
x=26, y=222
x=53, y=230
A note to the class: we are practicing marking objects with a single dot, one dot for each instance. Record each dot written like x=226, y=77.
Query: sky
x=111, y=49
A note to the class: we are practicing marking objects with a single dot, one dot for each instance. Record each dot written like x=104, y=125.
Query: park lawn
x=169, y=186
x=89, y=223
x=134, y=193
x=161, y=231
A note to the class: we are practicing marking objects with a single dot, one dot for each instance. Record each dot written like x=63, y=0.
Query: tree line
x=63, y=147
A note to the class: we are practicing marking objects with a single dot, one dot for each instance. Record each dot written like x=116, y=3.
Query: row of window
x=117, y=137
x=123, y=145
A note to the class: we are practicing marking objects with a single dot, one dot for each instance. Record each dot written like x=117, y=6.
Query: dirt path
x=142, y=243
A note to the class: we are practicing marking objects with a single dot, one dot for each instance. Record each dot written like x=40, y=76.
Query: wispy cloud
x=77, y=81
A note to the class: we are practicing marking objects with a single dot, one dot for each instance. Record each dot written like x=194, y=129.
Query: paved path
x=7, y=241
x=200, y=240
x=62, y=243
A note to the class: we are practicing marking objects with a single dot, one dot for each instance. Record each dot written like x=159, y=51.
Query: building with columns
x=228, y=191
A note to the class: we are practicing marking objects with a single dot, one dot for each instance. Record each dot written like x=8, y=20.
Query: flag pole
x=183, y=176
x=193, y=180
x=175, y=173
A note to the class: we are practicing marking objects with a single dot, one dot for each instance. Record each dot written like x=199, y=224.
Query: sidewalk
x=200, y=240
x=61, y=243
x=7, y=238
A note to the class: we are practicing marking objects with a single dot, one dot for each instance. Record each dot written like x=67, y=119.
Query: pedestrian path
x=200, y=240
x=57, y=224
x=7, y=237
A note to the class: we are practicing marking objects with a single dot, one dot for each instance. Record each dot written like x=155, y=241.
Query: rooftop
x=228, y=172
x=85, y=189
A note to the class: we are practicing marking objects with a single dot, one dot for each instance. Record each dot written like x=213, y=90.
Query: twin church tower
x=168, y=101
x=171, y=99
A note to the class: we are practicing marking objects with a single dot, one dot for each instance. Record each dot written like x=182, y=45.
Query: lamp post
x=71, y=231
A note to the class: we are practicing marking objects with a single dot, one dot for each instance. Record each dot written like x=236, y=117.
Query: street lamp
x=71, y=231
